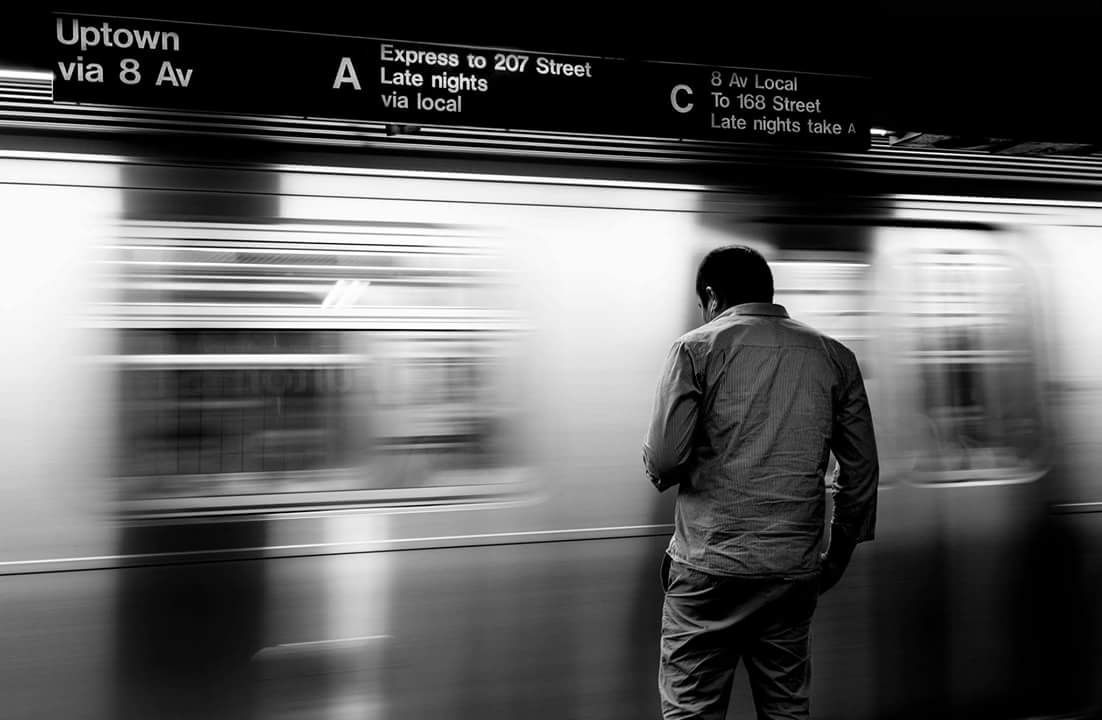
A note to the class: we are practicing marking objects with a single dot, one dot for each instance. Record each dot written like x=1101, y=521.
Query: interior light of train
x=819, y=264
x=33, y=75
x=879, y=132
x=280, y=266
x=221, y=250
x=345, y=293
x=322, y=176
x=64, y=171
x=227, y=360
x=1039, y=205
x=212, y=286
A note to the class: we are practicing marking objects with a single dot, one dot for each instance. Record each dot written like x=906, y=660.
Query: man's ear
x=712, y=304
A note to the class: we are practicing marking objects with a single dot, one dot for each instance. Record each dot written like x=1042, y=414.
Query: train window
x=965, y=326
x=828, y=290
x=220, y=403
x=275, y=371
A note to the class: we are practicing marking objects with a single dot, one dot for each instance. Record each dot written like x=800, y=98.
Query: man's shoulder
x=831, y=343
x=840, y=349
x=701, y=340
x=841, y=356
x=697, y=335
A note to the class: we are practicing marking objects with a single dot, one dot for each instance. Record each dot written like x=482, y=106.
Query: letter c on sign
x=673, y=98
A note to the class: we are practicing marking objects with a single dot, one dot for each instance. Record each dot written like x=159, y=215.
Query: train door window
x=829, y=291
x=230, y=411
x=965, y=325
x=262, y=367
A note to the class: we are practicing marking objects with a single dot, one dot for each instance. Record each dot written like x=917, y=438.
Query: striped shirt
x=748, y=410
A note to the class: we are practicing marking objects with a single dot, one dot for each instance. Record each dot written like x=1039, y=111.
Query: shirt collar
x=756, y=308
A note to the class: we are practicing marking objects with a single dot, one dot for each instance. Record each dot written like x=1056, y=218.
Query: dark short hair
x=738, y=274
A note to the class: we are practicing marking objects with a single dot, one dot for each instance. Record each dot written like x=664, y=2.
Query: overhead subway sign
x=172, y=65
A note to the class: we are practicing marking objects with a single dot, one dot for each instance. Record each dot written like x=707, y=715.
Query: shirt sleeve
x=667, y=449
x=853, y=443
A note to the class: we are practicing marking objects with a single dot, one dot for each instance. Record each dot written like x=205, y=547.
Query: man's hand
x=834, y=561
x=661, y=483
x=830, y=572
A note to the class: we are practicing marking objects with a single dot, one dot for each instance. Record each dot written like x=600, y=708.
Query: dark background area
x=965, y=69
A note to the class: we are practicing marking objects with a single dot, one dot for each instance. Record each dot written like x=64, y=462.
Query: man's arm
x=667, y=450
x=853, y=443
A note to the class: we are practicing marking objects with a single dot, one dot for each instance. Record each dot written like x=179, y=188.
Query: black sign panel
x=186, y=66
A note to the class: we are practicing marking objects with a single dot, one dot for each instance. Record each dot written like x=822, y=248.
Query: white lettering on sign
x=401, y=70
x=130, y=71
x=72, y=31
x=510, y=63
x=549, y=66
x=410, y=56
x=674, y=101
x=346, y=73
x=728, y=122
x=394, y=100
x=734, y=80
x=823, y=127
x=460, y=83
x=782, y=104
x=81, y=71
x=764, y=102
x=406, y=78
x=439, y=104
x=784, y=84
x=775, y=125
x=176, y=77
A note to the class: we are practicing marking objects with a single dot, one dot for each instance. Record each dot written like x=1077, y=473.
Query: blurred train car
x=347, y=436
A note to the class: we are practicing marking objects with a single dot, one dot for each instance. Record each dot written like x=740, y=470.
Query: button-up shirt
x=749, y=408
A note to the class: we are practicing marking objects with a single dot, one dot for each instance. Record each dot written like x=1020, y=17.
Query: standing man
x=749, y=408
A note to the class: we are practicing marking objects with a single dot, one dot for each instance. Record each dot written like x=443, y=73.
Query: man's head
x=730, y=276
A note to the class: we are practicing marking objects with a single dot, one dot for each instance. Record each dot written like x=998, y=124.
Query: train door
x=824, y=276
x=1068, y=253
x=55, y=617
x=963, y=421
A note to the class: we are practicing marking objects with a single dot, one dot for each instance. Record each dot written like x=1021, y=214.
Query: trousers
x=709, y=622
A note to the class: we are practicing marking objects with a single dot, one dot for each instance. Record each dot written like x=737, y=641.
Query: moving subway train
x=349, y=435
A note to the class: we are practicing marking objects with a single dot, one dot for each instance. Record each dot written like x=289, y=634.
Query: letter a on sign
x=346, y=73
